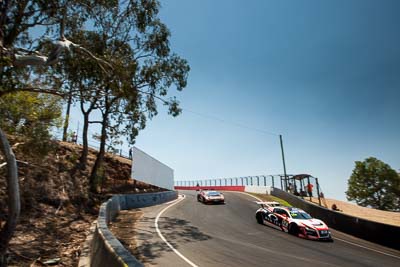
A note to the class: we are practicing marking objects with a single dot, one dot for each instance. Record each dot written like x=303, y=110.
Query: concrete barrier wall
x=106, y=250
x=149, y=170
x=380, y=233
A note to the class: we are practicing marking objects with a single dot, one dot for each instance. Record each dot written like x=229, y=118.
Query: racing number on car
x=273, y=219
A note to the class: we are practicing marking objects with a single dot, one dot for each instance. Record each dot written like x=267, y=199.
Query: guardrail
x=380, y=233
x=105, y=249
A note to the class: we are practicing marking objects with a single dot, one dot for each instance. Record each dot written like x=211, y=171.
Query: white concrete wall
x=149, y=170
x=258, y=189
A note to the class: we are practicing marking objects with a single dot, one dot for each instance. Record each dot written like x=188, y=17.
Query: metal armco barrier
x=380, y=233
x=105, y=249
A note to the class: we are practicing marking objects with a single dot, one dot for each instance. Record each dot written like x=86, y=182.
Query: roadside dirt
x=56, y=209
x=381, y=216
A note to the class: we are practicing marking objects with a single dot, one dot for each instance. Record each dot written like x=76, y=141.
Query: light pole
x=283, y=160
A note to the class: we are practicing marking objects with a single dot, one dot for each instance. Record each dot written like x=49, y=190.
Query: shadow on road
x=138, y=234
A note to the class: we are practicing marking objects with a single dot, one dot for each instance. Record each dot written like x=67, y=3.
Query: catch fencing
x=257, y=180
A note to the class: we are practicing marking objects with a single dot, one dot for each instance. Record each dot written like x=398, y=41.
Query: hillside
x=388, y=217
x=56, y=210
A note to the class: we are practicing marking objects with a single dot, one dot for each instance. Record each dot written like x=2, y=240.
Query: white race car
x=293, y=220
x=207, y=196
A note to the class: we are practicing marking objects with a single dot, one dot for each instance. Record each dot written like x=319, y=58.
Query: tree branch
x=33, y=90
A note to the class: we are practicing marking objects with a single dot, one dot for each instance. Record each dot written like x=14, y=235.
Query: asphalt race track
x=228, y=235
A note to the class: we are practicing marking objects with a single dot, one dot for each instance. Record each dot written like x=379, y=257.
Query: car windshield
x=213, y=194
x=300, y=215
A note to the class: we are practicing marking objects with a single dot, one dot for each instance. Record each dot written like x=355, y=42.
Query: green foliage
x=32, y=116
x=374, y=183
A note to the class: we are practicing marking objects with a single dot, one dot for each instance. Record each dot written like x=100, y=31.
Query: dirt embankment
x=388, y=217
x=56, y=209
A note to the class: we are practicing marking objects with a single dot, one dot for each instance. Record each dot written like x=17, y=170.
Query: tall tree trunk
x=94, y=176
x=66, y=121
x=14, y=205
x=85, y=143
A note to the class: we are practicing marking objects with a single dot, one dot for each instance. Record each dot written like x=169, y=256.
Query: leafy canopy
x=32, y=116
x=374, y=183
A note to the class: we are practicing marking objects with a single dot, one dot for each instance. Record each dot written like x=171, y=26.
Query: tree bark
x=100, y=157
x=14, y=205
x=66, y=121
x=85, y=143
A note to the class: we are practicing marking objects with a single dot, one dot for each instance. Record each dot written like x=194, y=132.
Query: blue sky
x=324, y=74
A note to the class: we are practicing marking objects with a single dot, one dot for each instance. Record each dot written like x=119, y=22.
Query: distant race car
x=210, y=196
x=292, y=220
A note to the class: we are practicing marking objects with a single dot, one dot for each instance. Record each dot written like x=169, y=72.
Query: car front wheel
x=259, y=218
x=293, y=229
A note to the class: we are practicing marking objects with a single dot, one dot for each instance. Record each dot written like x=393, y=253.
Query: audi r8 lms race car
x=294, y=221
x=207, y=196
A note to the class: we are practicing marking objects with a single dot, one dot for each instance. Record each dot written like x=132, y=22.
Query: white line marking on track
x=164, y=239
x=348, y=242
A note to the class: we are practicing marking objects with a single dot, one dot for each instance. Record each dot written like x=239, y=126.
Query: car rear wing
x=268, y=203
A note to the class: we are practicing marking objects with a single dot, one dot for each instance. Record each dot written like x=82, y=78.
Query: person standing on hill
x=291, y=188
x=130, y=153
x=309, y=189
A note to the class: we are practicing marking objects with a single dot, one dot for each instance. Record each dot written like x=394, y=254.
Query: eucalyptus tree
x=126, y=96
x=20, y=51
x=85, y=78
x=374, y=183
x=144, y=69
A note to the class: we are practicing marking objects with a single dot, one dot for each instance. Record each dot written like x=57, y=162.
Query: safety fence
x=258, y=180
x=303, y=185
